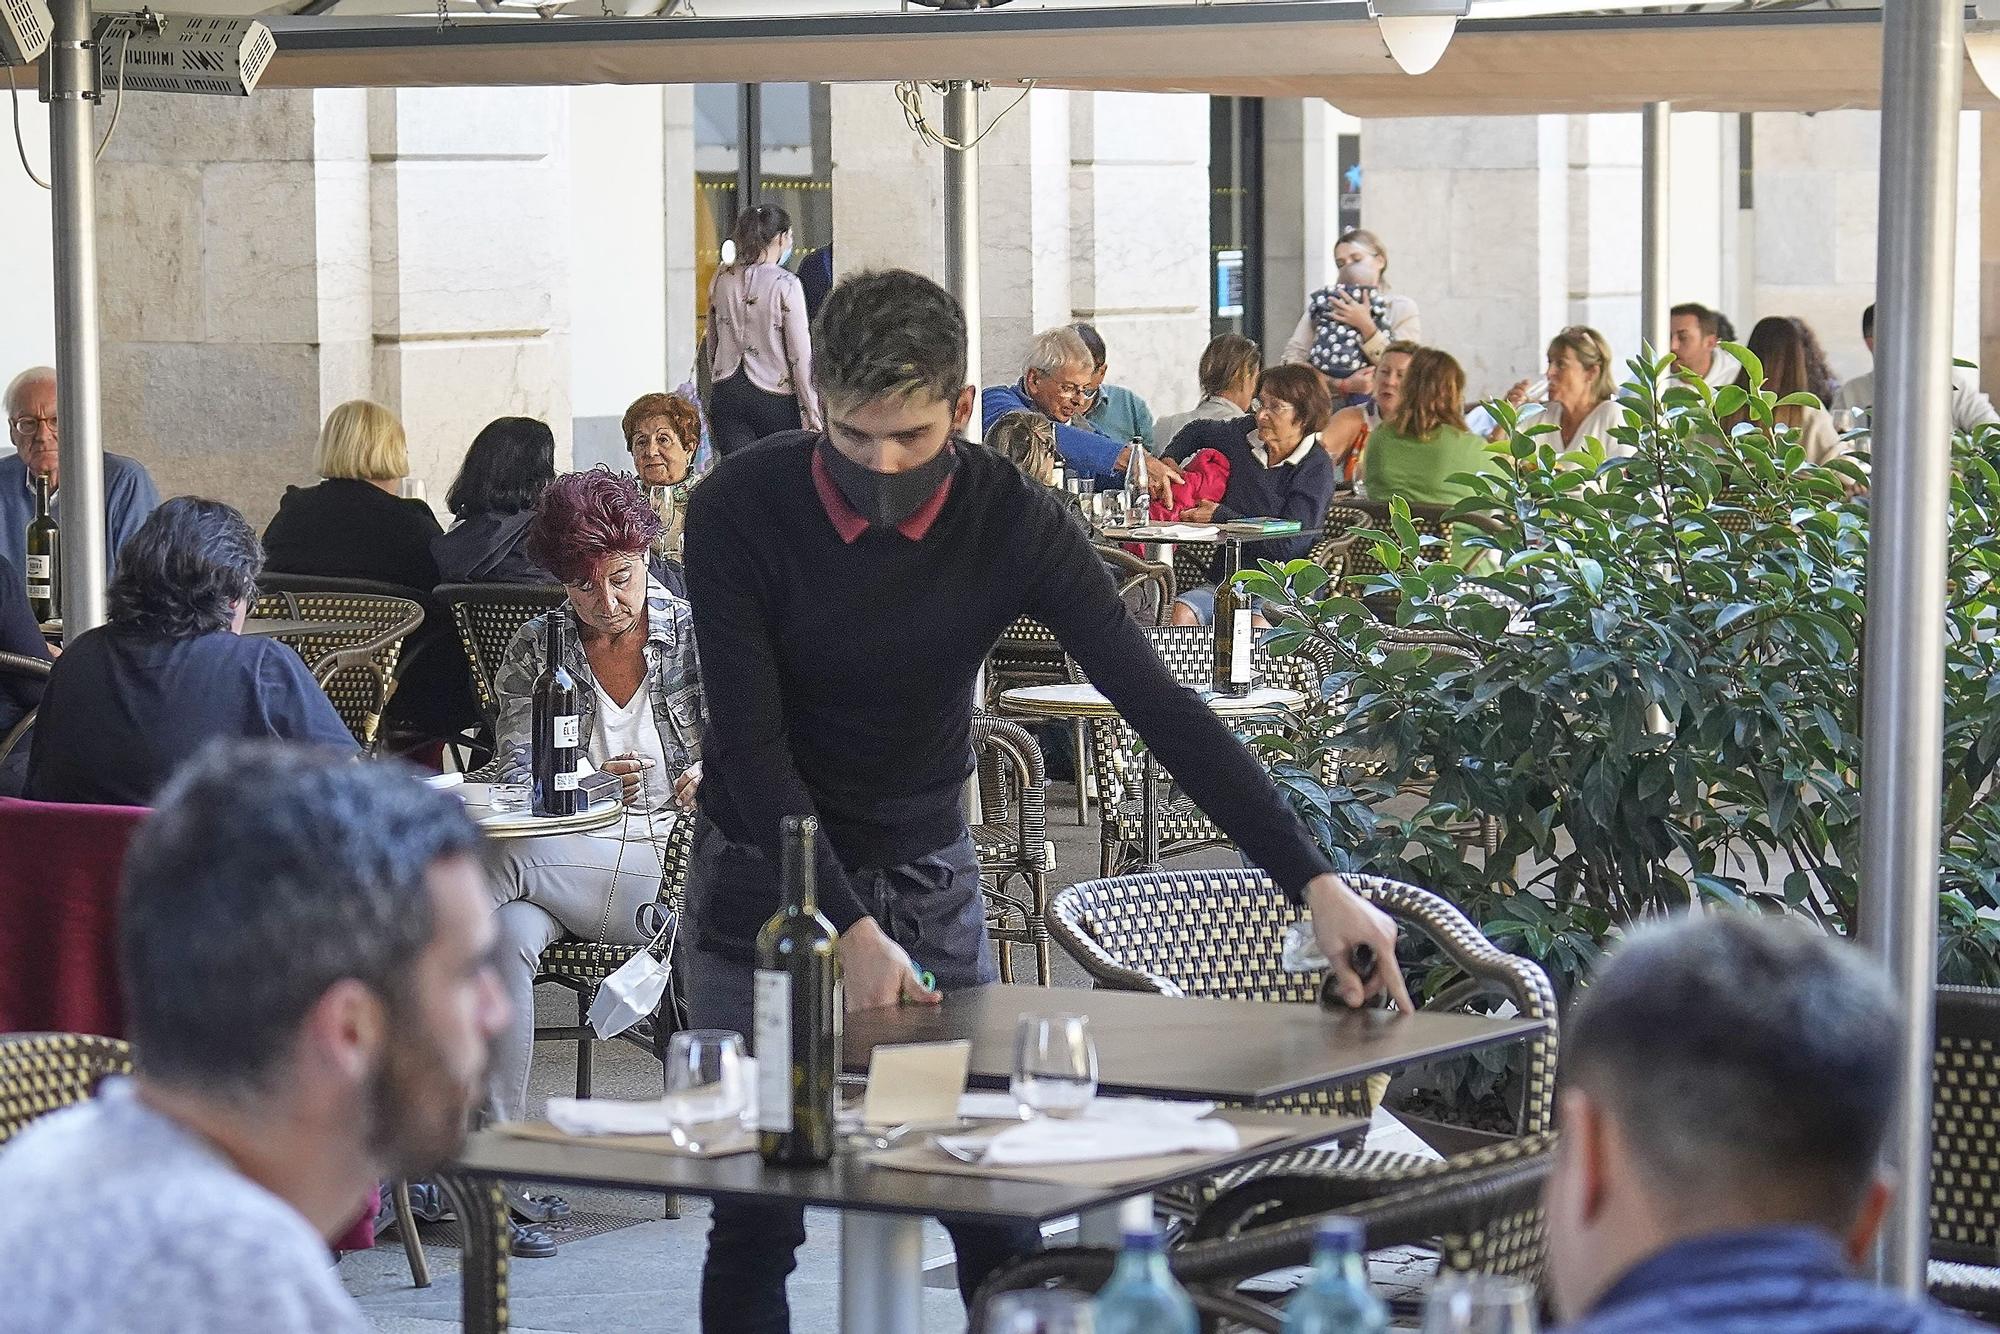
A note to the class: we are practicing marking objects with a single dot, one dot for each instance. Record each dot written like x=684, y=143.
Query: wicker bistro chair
x=14, y=664
x=1965, y=1151
x=1117, y=761
x=45, y=1072
x=1220, y=933
x=581, y=965
x=488, y=616
x=356, y=667
x=1484, y=1217
x=1015, y=855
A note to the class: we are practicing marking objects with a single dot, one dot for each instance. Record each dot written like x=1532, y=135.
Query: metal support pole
x=749, y=144
x=73, y=91
x=1654, y=162
x=1903, y=669
x=961, y=214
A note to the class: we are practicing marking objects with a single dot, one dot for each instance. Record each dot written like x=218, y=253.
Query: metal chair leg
x=406, y=1224
x=1080, y=743
x=583, y=1049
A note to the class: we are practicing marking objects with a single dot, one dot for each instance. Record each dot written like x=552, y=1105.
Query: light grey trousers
x=544, y=888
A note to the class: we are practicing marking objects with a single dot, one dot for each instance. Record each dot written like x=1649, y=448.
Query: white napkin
x=657, y=1116
x=1109, y=1129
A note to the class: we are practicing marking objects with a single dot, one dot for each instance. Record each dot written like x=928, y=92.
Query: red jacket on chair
x=59, y=868
x=1206, y=477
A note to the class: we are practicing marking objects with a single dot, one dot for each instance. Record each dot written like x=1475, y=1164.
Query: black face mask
x=885, y=499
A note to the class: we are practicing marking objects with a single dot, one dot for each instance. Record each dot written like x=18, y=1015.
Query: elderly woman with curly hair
x=170, y=670
x=663, y=431
x=631, y=653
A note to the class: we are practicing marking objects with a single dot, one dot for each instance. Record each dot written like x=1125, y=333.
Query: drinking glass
x=507, y=798
x=1038, y=1311
x=705, y=1076
x=1478, y=1304
x=1055, y=1064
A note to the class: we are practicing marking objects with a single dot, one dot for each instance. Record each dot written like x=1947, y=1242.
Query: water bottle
x=1138, y=499
x=1142, y=1297
x=1335, y=1298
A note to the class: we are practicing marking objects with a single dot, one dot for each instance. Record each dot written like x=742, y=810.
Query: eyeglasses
x=27, y=425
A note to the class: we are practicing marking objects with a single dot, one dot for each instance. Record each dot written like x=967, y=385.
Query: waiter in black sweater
x=846, y=589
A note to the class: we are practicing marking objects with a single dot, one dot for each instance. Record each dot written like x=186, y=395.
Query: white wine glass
x=1055, y=1065
x=708, y=1086
x=1037, y=1311
x=1478, y=1304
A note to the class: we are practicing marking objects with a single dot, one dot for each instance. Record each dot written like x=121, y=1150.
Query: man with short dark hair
x=1718, y=1165
x=306, y=950
x=1696, y=331
x=1970, y=409
x=847, y=587
x=1112, y=410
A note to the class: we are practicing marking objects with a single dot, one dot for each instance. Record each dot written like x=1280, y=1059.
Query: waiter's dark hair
x=178, y=575
x=889, y=333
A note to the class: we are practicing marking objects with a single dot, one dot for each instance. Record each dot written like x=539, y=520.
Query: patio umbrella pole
x=961, y=213
x=73, y=91
x=1903, y=666
x=1654, y=163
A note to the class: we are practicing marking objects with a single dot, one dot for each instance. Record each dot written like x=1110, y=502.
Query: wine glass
x=1055, y=1064
x=1478, y=1304
x=707, y=1082
x=1037, y=1311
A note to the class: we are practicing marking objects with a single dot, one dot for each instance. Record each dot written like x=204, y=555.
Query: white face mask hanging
x=636, y=989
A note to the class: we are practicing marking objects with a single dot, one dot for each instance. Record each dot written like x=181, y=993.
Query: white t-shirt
x=629, y=729
x=122, y=1219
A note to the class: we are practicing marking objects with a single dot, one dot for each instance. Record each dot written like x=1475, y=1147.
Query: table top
x=252, y=625
x=1086, y=701
x=527, y=824
x=1172, y=531
x=1170, y=1047
x=852, y=1184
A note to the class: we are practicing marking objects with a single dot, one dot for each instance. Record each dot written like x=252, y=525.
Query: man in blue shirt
x=1727, y=1086
x=129, y=494
x=1055, y=384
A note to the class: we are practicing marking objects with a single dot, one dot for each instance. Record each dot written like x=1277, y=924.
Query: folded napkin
x=657, y=1116
x=1109, y=1129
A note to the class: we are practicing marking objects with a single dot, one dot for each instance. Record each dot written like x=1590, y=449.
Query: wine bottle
x=44, y=571
x=1142, y=1296
x=1335, y=1298
x=1233, y=633
x=558, y=740
x=797, y=1022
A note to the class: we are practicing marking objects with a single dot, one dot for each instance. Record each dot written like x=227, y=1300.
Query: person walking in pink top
x=759, y=344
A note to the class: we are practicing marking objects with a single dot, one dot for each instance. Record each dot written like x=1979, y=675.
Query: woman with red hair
x=631, y=654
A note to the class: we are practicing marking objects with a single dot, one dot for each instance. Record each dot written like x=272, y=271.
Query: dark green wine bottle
x=44, y=572
x=1234, y=635
x=798, y=1001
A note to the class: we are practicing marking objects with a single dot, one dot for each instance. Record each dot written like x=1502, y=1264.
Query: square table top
x=1171, y=1047
x=852, y=1184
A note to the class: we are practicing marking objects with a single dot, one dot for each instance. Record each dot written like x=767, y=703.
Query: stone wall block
x=260, y=278
x=275, y=125
x=149, y=264
x=467, y=247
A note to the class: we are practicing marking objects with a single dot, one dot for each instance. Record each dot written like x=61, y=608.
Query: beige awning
x=1768, y=61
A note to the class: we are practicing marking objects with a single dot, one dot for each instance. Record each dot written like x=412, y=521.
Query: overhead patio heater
x=152, y=53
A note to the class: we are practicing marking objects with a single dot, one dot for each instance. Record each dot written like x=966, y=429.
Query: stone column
x=1301, y=212
x=1139, y=227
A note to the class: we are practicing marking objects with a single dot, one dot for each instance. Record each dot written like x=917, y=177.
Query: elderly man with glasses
x=1057, y=383
x=129, y=494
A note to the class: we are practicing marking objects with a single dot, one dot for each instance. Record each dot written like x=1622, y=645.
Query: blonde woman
x=1583, y=390
x=354, y=524
x=1349, y=324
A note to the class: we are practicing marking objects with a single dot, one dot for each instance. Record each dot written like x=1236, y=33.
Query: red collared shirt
x=850, y=523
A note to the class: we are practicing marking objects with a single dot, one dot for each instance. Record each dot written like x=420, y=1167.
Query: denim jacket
x=671, y=665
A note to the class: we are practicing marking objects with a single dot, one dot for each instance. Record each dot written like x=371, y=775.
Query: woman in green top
x=1416, y=452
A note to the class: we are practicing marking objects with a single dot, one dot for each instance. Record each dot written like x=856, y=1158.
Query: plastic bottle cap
x=1341, y=1234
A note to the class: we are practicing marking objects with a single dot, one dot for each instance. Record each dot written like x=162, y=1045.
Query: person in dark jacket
x=493, y=499
x=1720, y=1167
x=18, y=693
x=355, y=525
x=1276, y=471
x=170, y=671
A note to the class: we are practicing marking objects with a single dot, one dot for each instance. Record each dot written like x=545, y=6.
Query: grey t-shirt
x=117, y=1218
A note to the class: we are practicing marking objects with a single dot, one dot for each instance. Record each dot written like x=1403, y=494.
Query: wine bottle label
x=1239, y=647
x=567, y=781
x=771, y=1043
x=568, y=729
x=40, y=568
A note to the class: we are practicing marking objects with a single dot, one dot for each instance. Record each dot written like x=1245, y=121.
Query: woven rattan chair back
x=1145, y=587
x=356, y=664
x=45, y=1072
x=487, y=617
x=29, y=669
x=1194, y=564
x=1965, y=1126
x=1220, y=933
